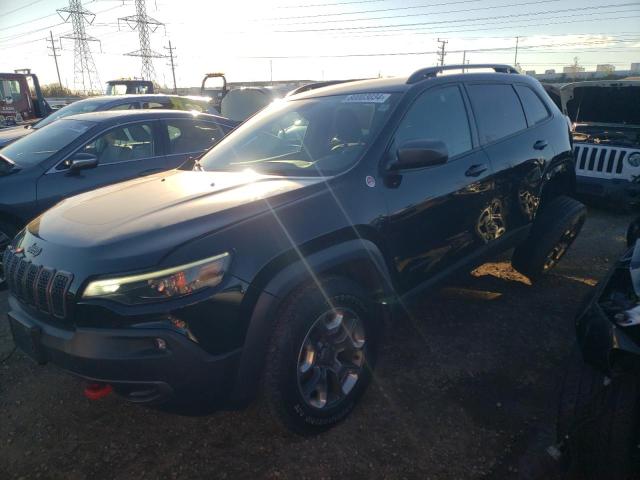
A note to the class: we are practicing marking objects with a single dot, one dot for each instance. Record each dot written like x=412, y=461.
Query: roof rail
x=431, y=72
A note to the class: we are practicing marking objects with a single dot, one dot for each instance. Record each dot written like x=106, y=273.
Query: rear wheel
x=7, y=232
x=552, y=233
x=321, y=355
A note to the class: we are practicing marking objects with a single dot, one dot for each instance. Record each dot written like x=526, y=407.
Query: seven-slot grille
x=600, y=159
x=42, y=287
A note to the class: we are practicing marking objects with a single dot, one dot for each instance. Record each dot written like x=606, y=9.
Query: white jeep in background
x=606, y=134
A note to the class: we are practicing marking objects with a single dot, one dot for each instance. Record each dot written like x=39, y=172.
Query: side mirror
x=633, y=232
x=419, y=154
x=81, y=161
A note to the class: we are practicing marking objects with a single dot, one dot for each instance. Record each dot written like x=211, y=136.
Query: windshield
x=43, y=143
x=83, y=106
x=320, y=136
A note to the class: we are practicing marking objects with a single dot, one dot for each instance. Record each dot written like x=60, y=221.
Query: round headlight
x=634, y=159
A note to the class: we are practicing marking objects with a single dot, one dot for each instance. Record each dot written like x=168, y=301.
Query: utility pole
x=442, y=52
x=55, y=56
x=271, y=70
x=85, y=74
x=173, y=68
x=143, y=23
x=464, y=60
x=515, y=59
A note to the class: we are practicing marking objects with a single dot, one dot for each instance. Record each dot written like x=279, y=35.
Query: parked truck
x=21, y=99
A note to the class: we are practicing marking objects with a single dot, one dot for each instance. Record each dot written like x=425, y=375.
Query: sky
x=322, y=39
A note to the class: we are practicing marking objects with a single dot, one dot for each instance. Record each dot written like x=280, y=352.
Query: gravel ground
x=465, y=388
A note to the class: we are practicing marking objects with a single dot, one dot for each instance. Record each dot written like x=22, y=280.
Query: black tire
x=298, y=319
x=598, y=423
x=553, y=231
x=7, y=232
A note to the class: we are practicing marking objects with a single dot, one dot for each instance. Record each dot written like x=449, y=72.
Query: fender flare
x=559, y=174
x=263, y=315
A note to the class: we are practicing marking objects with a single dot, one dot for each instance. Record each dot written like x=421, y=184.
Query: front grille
x=600, y=159
x=36, y=285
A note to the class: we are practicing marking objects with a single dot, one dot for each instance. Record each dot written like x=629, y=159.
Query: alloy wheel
x=332, y=358
x=558, y=251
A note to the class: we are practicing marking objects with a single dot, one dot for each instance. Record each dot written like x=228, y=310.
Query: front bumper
x=129, y=359
x=621, y=192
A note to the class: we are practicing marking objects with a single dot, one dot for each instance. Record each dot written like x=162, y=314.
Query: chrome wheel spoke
x=315, y=390
x=353, y=336
x=333, y=325
x=309, y=358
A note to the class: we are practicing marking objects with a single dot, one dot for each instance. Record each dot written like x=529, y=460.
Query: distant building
x=572, y=69
x=530, y=72
x=551, y=71
x=635, y=67
x=605, y=68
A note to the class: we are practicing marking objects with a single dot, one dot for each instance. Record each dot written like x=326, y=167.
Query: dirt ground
x=465, y=388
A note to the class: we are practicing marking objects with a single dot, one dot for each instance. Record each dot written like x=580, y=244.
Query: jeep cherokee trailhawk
x=271, y=262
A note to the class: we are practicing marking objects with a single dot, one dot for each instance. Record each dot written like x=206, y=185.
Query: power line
x=506, y=27
x=372, y=11
x=48, y=27
x=492, y=7
x=330, y=4
x=52, y=15
x=515, y=15
x=27, y=22
x=438, y=52
x=21, y=8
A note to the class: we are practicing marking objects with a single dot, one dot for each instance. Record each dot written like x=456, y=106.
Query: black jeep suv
x=273, y=260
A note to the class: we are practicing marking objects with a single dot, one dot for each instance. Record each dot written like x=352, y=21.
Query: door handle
x=540, y=145
x=476, y=170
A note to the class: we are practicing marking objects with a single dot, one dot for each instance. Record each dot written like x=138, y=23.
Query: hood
x=158, y=212
x=606, y=102
x=8, y=135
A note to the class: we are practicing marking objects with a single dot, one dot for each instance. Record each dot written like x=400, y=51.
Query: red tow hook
x=96, y=391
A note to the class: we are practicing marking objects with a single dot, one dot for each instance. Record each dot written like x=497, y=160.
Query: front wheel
x=321, y=355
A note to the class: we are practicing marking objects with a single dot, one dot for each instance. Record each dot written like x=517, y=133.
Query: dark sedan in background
x=112, y=102
x=83, y=152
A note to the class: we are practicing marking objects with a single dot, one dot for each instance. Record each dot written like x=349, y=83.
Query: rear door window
x=497, y=110
x=189, y=136
x=158, y=105
x=534, y=108
x=123, y=144
x=126, y=106
x=437, y=114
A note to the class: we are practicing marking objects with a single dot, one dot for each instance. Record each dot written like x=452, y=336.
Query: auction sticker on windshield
x=366, y=98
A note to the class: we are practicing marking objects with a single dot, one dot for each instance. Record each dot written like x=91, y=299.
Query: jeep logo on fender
x=35, y=250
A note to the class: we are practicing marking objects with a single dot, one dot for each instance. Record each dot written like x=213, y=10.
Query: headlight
x=634, y=159
x=161, y=284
